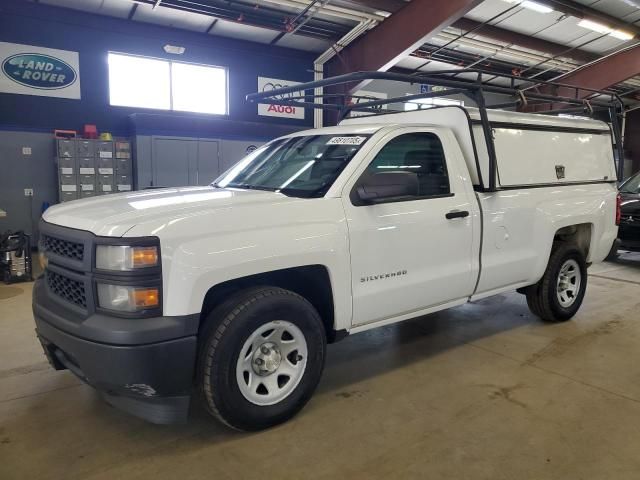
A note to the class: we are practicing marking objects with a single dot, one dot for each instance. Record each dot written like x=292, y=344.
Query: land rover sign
x=29, y=70
x=39, y=71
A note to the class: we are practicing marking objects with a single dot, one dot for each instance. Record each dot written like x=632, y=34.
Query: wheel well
x=311, y=282
x=579, y=234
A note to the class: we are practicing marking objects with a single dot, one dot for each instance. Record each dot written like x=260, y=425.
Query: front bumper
x=146, y=371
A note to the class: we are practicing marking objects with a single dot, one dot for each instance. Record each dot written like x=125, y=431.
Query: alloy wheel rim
x=568, y=283
x=271, y=363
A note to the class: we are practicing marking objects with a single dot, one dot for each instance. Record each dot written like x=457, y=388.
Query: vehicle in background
x=629, y=229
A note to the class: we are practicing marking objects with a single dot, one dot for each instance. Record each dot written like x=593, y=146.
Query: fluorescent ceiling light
x=600, y=28
x=536, y=7
x=531, y=5
x=595, y=26
x=174, y=49
x=622, y=35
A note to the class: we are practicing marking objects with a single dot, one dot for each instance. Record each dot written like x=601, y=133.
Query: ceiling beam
x=132, y=12
x=604, y=73
x=525, y=41
x=213, y=24
x=399, y=35
x=601, y=74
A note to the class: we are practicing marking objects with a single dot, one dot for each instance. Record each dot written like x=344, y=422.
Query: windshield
x=299, y=166
x=632, y=185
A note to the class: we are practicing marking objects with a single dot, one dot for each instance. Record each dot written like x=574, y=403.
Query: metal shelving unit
x=87, y=168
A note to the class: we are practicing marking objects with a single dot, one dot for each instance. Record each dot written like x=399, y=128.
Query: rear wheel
x=559, y=293
x=261, y=358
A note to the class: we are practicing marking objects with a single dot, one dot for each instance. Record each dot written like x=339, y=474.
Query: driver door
x=411, y=252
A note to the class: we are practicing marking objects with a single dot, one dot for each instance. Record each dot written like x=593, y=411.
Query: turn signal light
x=144, y=257
x=145, y=298
x=124, y=298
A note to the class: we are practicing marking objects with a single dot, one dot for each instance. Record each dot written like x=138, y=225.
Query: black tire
x=542, y=298
x=226, y=330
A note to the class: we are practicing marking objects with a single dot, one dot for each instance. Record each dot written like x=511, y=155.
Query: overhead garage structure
x=212, y=209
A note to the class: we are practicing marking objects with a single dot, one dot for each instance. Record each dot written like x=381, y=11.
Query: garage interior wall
x=29, y=121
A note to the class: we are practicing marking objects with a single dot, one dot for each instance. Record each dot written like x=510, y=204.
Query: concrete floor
x=483, y=391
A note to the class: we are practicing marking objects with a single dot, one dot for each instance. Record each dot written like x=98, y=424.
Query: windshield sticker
x=346, y=140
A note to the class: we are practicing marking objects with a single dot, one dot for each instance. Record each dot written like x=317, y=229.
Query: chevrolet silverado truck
x=231, y=292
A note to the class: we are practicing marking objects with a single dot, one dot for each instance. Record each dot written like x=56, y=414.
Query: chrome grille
x=70, y=290
x=64, y=248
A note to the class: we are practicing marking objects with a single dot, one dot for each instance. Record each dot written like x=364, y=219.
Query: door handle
x=457, y=214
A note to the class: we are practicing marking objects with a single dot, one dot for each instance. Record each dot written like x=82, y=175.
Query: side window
x=418, y=154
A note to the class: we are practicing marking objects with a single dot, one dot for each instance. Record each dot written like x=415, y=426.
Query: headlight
x=126, y=258
x=127, y=299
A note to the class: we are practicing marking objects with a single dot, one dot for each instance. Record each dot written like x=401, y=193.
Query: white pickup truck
x=234, y=290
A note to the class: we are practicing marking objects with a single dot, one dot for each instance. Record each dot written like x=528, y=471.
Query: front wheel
x=559, y=293
x=261, y=357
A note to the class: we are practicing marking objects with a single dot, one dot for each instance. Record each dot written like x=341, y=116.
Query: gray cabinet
x=87, y=168
x=177, y=162
x=208, y=161
x=172, y=160
x=84, y=148
x=232, y=151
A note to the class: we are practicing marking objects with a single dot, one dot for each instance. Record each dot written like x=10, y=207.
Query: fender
x=201, y=251
x=519, y=227
x=592, y=205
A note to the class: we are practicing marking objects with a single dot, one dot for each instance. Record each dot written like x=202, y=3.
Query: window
x=421, y=103
x=632, y=185
x=418, y=153
x=197, y=88
x=303, y=166
x=139, y=82
x=166, y=85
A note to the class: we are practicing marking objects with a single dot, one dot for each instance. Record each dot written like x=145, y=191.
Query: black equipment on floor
x=15, y=257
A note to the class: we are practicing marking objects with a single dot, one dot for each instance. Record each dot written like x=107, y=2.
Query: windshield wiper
x=248, y=186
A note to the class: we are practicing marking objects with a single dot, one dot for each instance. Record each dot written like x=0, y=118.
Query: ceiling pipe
x=493, y=48
x=475, y=29
x=555, y=62
x=586, y=65
x=305, y=18
x=520, y=56
x=228, y=13
x=330, y=10
x=318, y=64
x=499, y=33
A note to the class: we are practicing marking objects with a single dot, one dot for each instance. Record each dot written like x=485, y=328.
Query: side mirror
x=385, y=185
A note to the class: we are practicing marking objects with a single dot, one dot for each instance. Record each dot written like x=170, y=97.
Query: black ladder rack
x=524, y=92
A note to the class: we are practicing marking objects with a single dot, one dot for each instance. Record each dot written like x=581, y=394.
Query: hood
x=115, y=215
